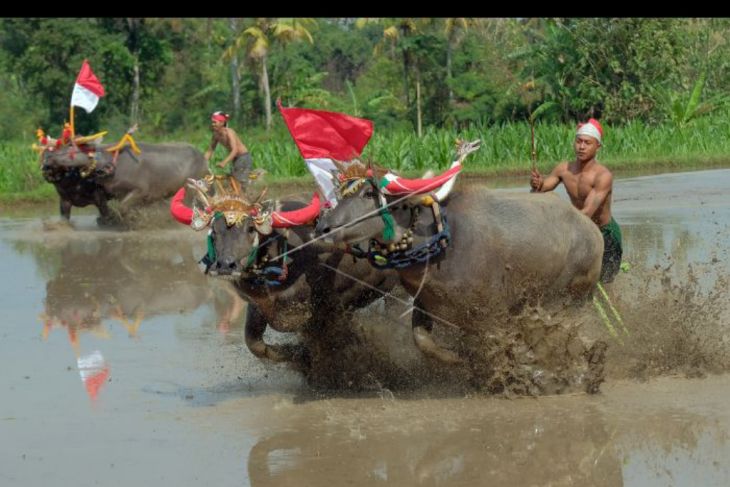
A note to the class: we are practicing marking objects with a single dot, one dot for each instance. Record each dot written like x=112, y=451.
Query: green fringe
x=211, y=248
x=252, y=256
x=389, y=223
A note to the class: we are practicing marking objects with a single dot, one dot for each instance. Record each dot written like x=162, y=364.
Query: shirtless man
x=589, y=185
x=237, y=152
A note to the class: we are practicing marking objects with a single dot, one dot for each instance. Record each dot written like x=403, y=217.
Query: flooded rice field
x=123, y=364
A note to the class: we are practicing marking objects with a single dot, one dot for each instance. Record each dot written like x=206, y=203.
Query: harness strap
x=417, y=255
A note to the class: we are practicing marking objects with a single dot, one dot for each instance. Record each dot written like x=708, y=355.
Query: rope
x=606, y=320
x=605, y=317
x=613, y=309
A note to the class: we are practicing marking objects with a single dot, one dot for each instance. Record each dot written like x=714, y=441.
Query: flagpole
x=73, y=131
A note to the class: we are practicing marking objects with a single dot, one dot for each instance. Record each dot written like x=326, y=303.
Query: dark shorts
x=242, y=166
x=612, y=251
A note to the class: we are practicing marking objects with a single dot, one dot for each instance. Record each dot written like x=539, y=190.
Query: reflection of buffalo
x=88, y=175
x=121, y=279
x=420, y=445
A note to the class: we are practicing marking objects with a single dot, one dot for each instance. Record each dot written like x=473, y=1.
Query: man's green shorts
x=612, y=251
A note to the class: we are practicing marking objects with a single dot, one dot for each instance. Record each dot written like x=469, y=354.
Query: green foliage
x=606, y=67
x=682, y=109
x=473, y=74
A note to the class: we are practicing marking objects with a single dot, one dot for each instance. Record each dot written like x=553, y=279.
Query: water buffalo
x=494, y=253
x=88, y=174
x=290, y=285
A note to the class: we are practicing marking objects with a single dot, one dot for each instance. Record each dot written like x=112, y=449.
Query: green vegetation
x=659, y=86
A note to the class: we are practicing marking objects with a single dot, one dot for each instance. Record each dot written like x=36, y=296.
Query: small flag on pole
x=87, y=90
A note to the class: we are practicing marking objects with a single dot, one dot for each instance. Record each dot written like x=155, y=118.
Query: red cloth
x=302, y=216
x=327, y=135
x=280, y=219
x=416, y=186
x=88, y=80
x=178, y=210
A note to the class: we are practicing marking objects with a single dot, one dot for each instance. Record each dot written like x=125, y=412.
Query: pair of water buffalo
x=483, y=257
x=90, y=175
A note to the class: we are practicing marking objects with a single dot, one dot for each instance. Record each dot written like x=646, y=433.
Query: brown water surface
x=122, y=364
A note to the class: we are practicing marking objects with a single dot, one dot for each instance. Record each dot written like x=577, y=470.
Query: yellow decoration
x=127, y=139
x=88, y=138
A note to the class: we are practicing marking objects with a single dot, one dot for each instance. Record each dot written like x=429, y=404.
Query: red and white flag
x=87, y=90
x=322, y=136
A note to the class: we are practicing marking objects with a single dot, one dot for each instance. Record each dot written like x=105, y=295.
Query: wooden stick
x=73, y=130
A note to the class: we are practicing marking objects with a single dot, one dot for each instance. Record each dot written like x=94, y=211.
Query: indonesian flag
x=87, y=90
x=322, y=136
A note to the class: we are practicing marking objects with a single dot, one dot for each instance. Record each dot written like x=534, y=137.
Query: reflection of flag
x=94, y=372
x=87, y=90
x=322, y=136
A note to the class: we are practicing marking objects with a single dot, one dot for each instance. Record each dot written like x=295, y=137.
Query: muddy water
x=123, y=365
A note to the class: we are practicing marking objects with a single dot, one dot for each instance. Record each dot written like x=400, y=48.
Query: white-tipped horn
x=466, y=148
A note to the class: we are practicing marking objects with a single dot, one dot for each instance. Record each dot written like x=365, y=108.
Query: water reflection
x=96, y=284
x=94, y=372
x=557, y=441
x=433, y=446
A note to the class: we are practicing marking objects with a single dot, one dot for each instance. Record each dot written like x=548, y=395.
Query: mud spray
x=674, y=321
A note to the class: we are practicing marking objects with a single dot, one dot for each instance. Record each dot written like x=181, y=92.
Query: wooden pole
x=73, y=130
x=534, y=149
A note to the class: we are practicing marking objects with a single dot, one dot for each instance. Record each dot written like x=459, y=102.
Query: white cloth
x=322, y=169
x=590, y=130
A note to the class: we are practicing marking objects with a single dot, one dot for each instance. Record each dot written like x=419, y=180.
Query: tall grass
x=505, y=149
x=19, y=168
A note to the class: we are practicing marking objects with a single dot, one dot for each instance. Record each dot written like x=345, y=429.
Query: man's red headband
x=219, y=117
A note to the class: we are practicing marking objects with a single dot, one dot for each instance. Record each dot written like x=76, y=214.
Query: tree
x=454, y=29
x=605, y=67
x=235, y=74
x=259, y=38
x=410, y=37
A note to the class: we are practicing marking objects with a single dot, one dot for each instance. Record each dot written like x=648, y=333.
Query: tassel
x=389, y=223
x=211, y=248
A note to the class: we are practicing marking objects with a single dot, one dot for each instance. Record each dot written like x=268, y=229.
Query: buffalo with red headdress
x=85, y=172
x=292, y=284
